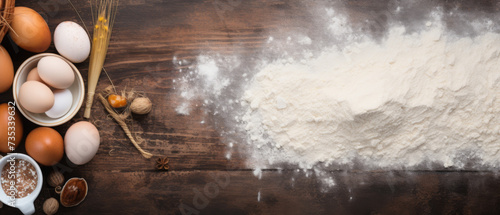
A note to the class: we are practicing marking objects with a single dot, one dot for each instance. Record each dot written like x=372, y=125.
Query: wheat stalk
x=103, y=24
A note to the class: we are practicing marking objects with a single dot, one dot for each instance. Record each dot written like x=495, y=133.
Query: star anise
x=162, y=164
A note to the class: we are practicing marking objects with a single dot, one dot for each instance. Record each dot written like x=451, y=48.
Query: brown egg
x=45, y=145
x=36, y=97
x=6, y=70
x=11, y=130
x=34, y=76
x=29, y=30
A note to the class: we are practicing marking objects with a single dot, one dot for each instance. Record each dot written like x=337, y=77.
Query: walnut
x=141, y=106
x=50, y=206
x=55, y=179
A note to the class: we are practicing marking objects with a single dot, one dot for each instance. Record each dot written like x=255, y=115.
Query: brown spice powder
x=24, y=176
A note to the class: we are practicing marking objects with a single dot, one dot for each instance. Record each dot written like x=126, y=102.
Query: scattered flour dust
x=207, y=75
x=423, y=99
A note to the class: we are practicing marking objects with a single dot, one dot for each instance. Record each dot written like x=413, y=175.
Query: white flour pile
x=410, y=99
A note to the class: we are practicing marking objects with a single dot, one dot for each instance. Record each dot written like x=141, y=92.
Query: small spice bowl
x=77, y=89
x=25, y=205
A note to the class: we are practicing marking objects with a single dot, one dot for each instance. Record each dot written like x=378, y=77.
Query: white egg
x=81, y=142
x=72, y=41
x=55, y=72
x=63, y=99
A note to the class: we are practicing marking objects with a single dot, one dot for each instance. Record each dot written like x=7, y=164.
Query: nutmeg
x=55, y=179
x=73, y=192
x=50, y=206
x=141, y=105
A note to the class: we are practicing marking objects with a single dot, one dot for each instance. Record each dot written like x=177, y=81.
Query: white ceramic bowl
x=24, y=204
x=77, y=89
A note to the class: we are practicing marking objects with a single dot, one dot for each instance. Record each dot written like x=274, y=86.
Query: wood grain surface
x=146, y=37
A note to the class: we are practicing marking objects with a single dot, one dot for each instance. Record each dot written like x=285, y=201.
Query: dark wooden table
x=147, y=35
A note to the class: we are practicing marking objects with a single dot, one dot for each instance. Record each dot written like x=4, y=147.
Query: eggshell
x=36, y=97
x=63, y=99
x=81, y=142
x=45, y=145
x=10, y=128
x=29, y=30
x=72, y=41
x=6, y=70
x=33, y=76
x=56, y=72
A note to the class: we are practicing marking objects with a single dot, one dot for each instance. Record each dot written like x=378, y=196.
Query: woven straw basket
x=6, y=11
